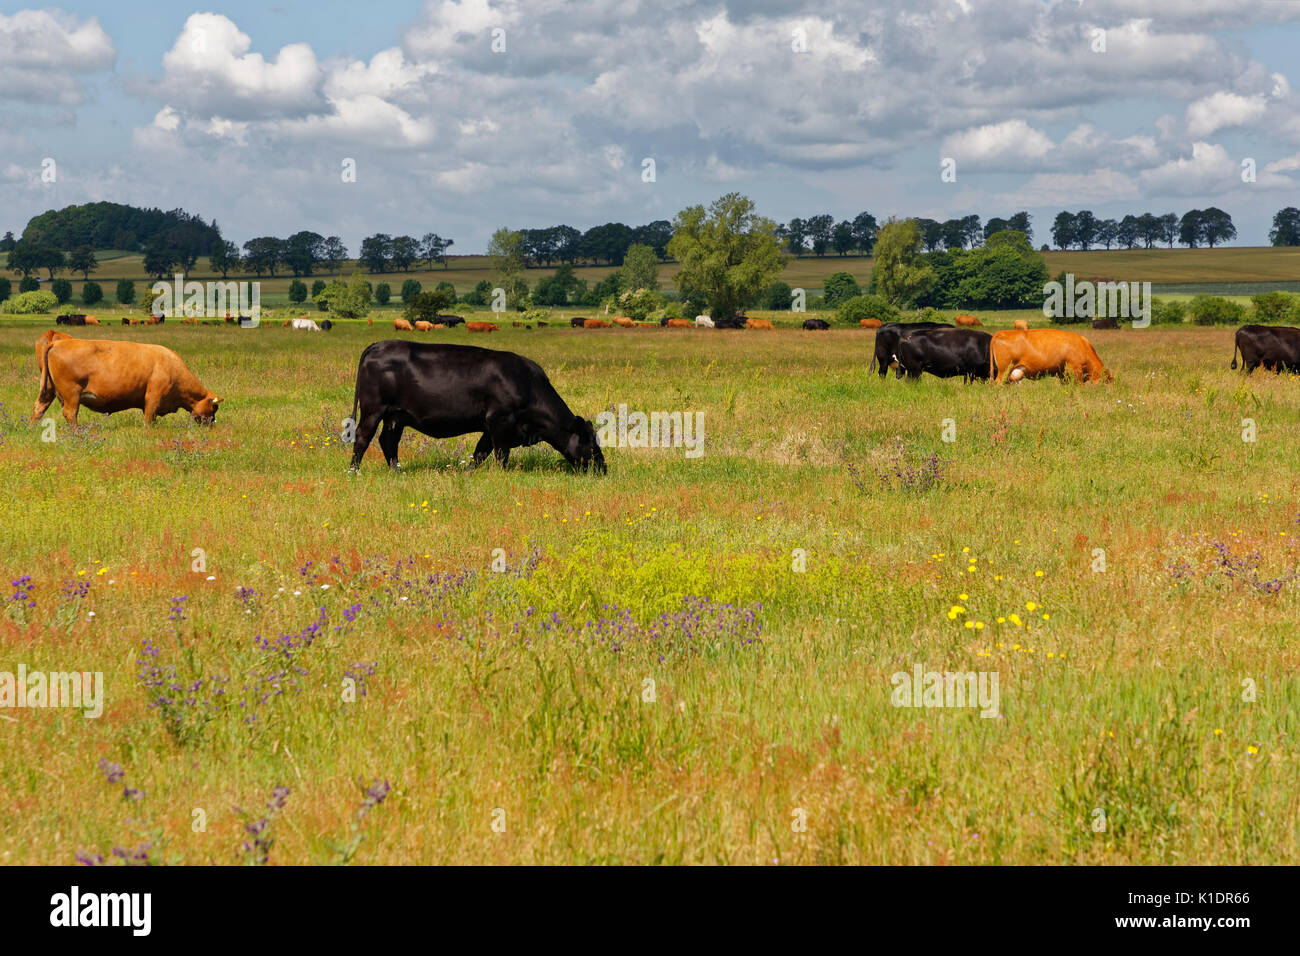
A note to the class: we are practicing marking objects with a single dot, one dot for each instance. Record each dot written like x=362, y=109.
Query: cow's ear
x=216, y=401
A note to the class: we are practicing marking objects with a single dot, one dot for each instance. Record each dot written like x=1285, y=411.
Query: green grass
x=1127, y=697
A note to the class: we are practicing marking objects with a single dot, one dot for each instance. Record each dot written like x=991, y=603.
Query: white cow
x=305, y=323
x=703, y=322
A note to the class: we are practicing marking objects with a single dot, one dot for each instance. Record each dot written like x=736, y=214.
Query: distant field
x=684, y=657
x=1233, y=271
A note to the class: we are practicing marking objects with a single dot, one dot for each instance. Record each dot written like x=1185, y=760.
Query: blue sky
x=245, y=113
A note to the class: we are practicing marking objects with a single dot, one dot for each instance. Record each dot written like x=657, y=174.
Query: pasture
x=688, y=660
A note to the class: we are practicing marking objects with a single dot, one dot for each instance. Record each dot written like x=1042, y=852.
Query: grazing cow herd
x=449, y=390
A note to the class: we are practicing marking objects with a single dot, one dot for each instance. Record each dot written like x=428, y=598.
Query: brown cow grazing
x=624, y=321
x=109, y=376
x=647, y=325
x=482, y=327
x=370, y=321
x=439, y=325
x=1105, y=324
x=1020, y=324
x=423, y=326
x=758, y=324
x=870, y=323
x=679, y=323
x=1017, y=354
x=91, y=320
x=401, y=325
x=968, y=320
x=595, y=324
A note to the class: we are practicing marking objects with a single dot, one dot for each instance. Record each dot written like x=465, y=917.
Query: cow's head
x=205, y=409
x=582, y=448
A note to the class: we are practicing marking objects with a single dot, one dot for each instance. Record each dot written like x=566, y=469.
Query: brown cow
x=870, y=323
x=647, y=325
x=1020, y=324
x=109, y=376
x=624, y=321
x=679, y=323
x=1015, y=354
x=1105, y=324
x=969, y=320
x=757, y=324
x=401, y=325
x=91, y=320
x=439, y=325
x=595, y=324
x=481, y=327
x=423, y=326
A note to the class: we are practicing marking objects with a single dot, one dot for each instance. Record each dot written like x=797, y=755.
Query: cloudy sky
x=465, y=115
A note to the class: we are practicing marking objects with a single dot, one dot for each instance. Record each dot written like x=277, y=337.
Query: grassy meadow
x=688, y=660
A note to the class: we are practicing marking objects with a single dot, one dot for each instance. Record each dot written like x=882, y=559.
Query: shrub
x=854, y=310
x=92, y=293
x=29, y=284
x=537, y=315
x=410, y=289
x=777, y=296
x=125, y=291
x=449, y=289
x=839, y=287
x=383, y=293
x=5, y=288
x=1274, y=306
x=425, y=306
x=62, y=290
x=481, y=295
x=1216, y=310
x=929, y=315
x=673, y=310
x=1167, y=312
x=27, y=303
x=317, y=287
x=297, y=291
x=350, y=300
x=639, y=304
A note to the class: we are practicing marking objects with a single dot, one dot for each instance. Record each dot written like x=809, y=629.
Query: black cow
x=889, y=335
x=451, y=321
x=738, y=322
x=945, y=353
x=326, y=325
x=1105, y=324
x=1276, y=347
x=449, y=390
x=69, y=320
x=816, y=325
x=577, y=322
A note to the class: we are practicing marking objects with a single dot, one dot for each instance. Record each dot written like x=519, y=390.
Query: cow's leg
x=501, y=428
x=483, y=448
x=71, y=404
x=364, y=434
x=389, y=439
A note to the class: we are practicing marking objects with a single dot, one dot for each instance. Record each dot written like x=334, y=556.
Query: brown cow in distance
x=401, y=325
x=758, y=324
x=482, y=327
x=1014, y=355
x=624, y=321
x=91, y=320
x=423, y=326
x=1020, y=324
x=967, y=320
x=595, y=324
x=110, y=376
x=679, y=323
x=870, y=323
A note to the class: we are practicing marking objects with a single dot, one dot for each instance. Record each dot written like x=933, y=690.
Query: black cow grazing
x=944, y=353
x=69, y=320
x=448, y=390
x=816, y=325
x=577, y=322
x=732, y=323
x=1276, y=347
x=451, y=321
x=326, y=325
x=1105, y=324
x=889, y=335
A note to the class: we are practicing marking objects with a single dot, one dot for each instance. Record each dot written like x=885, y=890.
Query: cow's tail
x=356, y=388
x=1236, y=344
x=993, y=364
x=43, y=346
x=871, y=369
